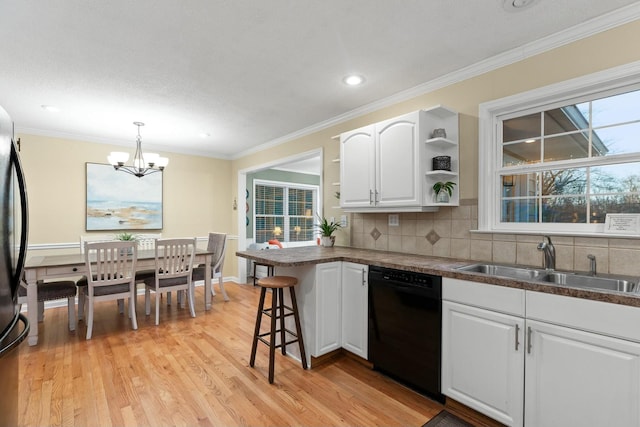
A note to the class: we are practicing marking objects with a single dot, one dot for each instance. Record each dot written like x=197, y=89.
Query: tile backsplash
x=446, y=233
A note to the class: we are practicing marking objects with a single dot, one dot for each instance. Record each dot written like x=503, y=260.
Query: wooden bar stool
x=277, y=311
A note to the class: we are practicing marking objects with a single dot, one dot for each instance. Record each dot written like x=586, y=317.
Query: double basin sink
x=580, y=280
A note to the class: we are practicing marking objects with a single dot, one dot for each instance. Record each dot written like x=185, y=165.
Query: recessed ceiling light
x=204, y=135
x=353, y=80
x=50, y=108
x=517, y=5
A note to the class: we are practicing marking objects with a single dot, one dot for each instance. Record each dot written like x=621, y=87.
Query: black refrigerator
x=14, y=327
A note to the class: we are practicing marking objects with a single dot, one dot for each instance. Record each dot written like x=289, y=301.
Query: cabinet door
x=397, y=162
x=576, y=378
x=328, y=307
x=483, y=361
x=357, y=168
x=355, y=308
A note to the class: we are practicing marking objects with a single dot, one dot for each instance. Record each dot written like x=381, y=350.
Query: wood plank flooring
x=195, y=372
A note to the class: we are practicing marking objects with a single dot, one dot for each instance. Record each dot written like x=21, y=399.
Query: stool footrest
x=268, y=343
x=267, y=312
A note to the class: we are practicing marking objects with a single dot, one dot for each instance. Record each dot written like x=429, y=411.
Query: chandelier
x=143, y=164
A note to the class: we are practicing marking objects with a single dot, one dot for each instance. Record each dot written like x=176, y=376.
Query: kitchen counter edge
x=445, y=267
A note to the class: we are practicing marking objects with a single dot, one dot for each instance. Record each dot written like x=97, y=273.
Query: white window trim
x=286, y=184
x=533, y=100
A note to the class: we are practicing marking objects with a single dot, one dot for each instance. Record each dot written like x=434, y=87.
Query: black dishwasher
x=405, y=327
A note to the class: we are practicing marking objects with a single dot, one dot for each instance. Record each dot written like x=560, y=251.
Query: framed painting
x=117, y=200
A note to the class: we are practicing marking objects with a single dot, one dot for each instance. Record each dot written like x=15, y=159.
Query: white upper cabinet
x=387, y=166
x=357, y=167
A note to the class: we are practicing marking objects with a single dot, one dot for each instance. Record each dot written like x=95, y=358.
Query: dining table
x=48, y=267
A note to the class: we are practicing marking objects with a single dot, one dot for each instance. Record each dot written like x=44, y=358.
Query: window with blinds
x=284, y=211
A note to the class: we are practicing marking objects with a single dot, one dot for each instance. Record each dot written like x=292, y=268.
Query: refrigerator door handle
x=19, y=338
x=23, y=212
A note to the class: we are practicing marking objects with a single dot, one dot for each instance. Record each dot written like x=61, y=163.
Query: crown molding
x=589, y=28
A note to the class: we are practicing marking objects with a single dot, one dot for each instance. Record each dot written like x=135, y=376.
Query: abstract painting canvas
x=117, y=200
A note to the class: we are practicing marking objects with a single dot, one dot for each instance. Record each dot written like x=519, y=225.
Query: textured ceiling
x=247, y=73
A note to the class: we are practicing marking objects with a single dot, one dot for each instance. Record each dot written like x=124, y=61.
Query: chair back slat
x=174, y=257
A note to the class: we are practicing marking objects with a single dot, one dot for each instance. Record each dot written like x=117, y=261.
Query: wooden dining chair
x=50, y=291
x=218, y=245
x=173, y=272
x=111, y=268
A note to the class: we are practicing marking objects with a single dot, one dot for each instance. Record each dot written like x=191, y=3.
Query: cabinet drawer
x=615, y=320
x=492, y=297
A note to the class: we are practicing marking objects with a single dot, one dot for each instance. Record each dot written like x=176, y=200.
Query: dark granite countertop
x=445, y=267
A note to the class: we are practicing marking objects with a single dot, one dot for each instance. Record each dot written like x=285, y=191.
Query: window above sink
x=557, y=159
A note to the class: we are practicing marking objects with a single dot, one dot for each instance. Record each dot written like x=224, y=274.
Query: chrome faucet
x=592, y=264
x=549, y=253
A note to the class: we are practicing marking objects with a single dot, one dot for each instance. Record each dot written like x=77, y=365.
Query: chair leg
x=121, y=306
x=168, y=298
x=180, y=297
x=147, y=301
x=190, y=296
x=40, y=311
x=157, y=308
x=80, y=303
x=272, y=335
x=71, y=308
x=224, y=293
x=132, y=310
x=90, y=319
x=254, y=344
x=296, y=316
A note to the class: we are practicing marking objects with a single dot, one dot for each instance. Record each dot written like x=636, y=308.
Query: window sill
x=558, y=233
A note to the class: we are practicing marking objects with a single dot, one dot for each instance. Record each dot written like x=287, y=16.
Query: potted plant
x=327, y=228
x=443, y=190
x=126, y=237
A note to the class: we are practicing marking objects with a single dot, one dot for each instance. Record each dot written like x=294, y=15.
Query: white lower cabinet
x=332, y=300
x=570, y=362
x=483, y=362
x=483, y=349
x=328, y=293
x=581, y=378
x=355, y=308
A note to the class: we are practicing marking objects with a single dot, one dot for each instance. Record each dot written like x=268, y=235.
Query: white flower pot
x=328, y=241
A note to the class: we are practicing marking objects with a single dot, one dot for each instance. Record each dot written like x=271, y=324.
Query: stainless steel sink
x=504, y=271
x=592, y=282
x=604, y=282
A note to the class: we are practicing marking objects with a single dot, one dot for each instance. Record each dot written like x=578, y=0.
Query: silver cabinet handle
x=377, y=198
x=529, y=339
x=364, y=282
x=517, y=336
x=370, y=197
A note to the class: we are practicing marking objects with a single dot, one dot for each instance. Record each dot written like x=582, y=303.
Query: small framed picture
x=622, y=224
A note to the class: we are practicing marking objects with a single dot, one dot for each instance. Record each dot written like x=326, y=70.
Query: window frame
x=286, y=186
x=604, y=83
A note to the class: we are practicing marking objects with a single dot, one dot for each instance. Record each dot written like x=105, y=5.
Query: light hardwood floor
x=191, y=372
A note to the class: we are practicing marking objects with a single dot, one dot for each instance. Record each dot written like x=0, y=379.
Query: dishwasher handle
x=426, y=288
